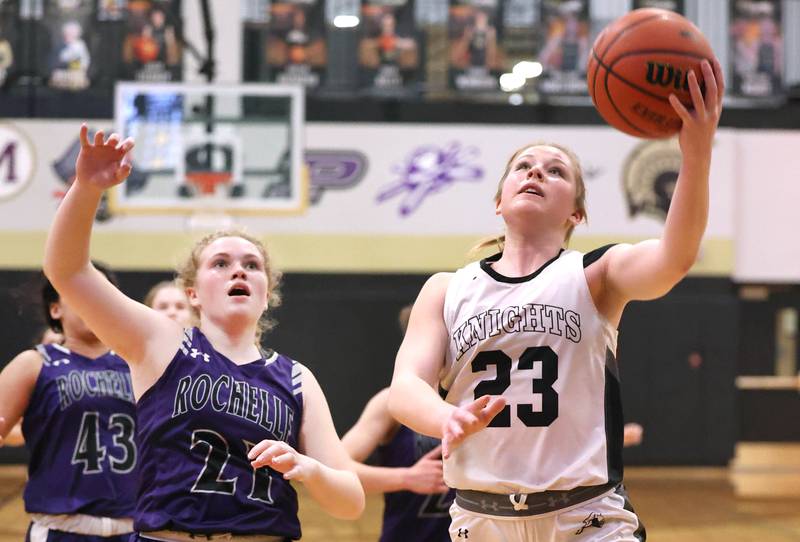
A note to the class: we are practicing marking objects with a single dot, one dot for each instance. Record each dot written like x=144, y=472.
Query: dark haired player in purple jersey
x=76, y=401
x=408, y=471
x=14, y=436
x=222, y=426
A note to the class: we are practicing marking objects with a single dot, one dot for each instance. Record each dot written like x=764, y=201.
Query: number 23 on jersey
x=542, y=385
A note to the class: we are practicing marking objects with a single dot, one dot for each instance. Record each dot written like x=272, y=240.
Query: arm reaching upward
x=143, y=337
x=649, y=269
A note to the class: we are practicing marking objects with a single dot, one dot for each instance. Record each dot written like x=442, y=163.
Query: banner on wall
x=76, y=45
x=383, y=197
x=416, y=180
x=284, y=42
x=756, y=43
x=566, y=46
x=151, y=51
x=474, y=53
x=10, y=40
x=389, y=54
x=69, y=28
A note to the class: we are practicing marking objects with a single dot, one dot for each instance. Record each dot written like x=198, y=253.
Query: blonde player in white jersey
x=521, y=346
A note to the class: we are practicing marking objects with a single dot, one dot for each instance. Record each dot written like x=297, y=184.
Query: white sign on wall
x=17, y=161
x=394, y=197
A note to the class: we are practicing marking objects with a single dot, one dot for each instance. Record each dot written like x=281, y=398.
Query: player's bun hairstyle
x=580, y=192
x=187, y=274
x=50, y=295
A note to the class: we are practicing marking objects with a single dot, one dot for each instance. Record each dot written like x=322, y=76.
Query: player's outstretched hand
x=283, y=458
x=426, y=476
x=632, y=434
x=2, y=427
x=466, y=420
x=104, y=162
x=700, y=124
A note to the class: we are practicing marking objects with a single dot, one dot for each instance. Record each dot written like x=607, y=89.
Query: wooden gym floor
x=675, y=504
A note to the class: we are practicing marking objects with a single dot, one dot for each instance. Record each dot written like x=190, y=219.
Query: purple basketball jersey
x=407, y=515
x=196, y=425
x=79, y=428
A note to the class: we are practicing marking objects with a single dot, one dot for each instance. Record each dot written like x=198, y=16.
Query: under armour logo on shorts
x=463, y=532
x=592, y=520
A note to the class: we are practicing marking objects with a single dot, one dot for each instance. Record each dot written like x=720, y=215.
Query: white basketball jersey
x=539, y=342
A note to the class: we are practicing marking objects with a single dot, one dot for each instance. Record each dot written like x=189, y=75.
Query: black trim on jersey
x=640, y=533
x=590, y=257
x=485, y=265
x=614, y=421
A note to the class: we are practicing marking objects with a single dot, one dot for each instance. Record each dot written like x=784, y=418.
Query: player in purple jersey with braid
x=76, y=401
x=408, y=471
x=223, y=427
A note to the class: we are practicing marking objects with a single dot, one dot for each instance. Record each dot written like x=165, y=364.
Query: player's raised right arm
x=128, y=327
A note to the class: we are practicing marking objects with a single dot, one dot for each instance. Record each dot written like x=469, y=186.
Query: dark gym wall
x=344, y=327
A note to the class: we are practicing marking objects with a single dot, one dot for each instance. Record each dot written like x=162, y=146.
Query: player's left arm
x=372, y=428
x=321, y=463
x=650, y=269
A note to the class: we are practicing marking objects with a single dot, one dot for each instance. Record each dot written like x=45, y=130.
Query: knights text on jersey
x=539, y=342
x=196, y=425
x=79, y=428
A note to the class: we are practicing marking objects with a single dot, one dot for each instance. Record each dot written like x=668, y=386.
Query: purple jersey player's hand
x=466, y=420
x=284, y=459
x=104, y=163
x=425, y=476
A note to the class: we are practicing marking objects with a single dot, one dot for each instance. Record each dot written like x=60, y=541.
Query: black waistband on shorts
x=526, y=504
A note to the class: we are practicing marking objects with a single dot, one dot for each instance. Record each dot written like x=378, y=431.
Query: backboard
x=234, y=149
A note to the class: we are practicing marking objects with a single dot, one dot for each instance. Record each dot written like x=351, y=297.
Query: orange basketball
x=145, y=48
x=637, y=62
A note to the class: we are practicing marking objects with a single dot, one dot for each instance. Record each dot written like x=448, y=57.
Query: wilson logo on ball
x=636, y=62
x=666, y=75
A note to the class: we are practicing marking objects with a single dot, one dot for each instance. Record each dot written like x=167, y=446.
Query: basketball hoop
x=206, y=182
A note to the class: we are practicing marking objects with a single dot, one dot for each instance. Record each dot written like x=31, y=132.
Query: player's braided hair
x=187, y=274
x=580, y=191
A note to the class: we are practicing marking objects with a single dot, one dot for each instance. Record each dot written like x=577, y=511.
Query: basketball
x=145, y=48
x=636, y=62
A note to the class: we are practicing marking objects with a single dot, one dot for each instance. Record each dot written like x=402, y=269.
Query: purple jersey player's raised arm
x=222, y=427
